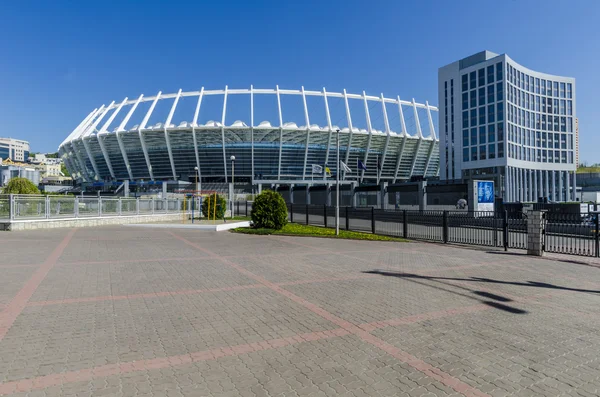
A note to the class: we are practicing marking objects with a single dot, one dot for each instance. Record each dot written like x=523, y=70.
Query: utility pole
x=337, y=184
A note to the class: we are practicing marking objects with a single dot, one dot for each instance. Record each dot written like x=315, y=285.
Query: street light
x=337, y=184
x=194, y=195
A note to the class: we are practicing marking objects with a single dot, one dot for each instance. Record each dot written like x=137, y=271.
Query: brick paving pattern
x=122, y=311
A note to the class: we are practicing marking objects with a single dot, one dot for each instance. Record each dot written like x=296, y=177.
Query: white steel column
x=553, y=194
x=252, y=132
x=405, y=135
x=167, y=124
x=560, y=186
x=195, y=139
x=92, y=160
x=102, y=132
x=370, y=131
x=535, y=186
x=419, y=134
x=387, y=138
x=141, y=135
x=547, y=184
x=223, y=133
x=307, y=121
x=433, y=138
x=567, y=186
x=330, y=127
x=85, y=138
x=280, y=132
x=121, y=128
x=574, y=184
x=350, y=130
x=82, y=163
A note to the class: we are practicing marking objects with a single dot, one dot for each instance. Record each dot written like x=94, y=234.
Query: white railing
x=15, y=207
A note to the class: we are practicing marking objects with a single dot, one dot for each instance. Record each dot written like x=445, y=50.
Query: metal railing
x=569, y=234
x=30, y=207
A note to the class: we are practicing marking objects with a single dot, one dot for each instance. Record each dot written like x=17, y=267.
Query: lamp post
x=194, y=195
x=337, y=183
x=232, y=158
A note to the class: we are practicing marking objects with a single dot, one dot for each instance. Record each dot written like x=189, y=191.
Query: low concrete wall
x=88, y=222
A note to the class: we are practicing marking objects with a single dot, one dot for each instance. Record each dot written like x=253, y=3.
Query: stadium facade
x=394, y=139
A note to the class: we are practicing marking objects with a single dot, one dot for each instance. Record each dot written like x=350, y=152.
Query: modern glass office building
x=502, y=121
x=199, y=131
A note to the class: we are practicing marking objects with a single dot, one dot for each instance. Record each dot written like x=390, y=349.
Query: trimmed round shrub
x=208, y=206
x=269, y=210
x=20, y=186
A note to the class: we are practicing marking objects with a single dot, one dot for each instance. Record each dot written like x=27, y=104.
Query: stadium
x=185, y=135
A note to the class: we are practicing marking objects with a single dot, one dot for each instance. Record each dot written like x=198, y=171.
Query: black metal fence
x=570, y=234
x=564, y=233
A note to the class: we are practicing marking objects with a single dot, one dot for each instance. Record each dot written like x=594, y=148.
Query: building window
x=492, y=133
x=555, y=90
x=562, y=108
x=500, y=150
x=482, y=152
x=473, y=99
x=563, y=156
x=465, y=137
x=500, y=132
x=499, y=111
x=569, y=90
x=499, y=71
x=474, y=153
x=481, y=77
x=490, y=92
x=465, y=100
x=569, y=124
x=537, y=103
x=482, y=135
x=482, y=96
x=472, y=80
x=548, y=88
x=562, y=90
x=490, y=74
x=537, y=86
x=482, y=115
x=473, y=136
x=465, y=119
x=500, y=92
x=563, y=124
x=473, y=117
x=465, y=154
x=570, y=108
x=543, y=86
x=491, y=114
x=492, y=151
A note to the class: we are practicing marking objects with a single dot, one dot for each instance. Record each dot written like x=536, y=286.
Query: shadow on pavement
x=535, y=284
x=551, y=258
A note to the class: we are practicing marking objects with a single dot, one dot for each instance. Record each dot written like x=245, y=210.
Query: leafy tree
x=20, y=186
x=269, y=210
x=64, y=170
x=214, y=204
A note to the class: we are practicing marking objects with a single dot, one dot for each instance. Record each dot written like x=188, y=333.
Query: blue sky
x=62, y=59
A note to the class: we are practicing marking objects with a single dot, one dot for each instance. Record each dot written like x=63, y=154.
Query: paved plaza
x=126, y=311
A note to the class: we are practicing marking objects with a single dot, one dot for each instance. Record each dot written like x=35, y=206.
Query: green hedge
x=208, y=206
x=269, y=211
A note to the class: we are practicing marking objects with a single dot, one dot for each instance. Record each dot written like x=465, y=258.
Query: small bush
x=269, y=211
x=20, y=186
x=208, y=206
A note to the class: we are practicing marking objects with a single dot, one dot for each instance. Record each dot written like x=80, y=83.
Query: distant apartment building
x=501, y=121
x=14, y=149
x=47, y=170
x=577, y=142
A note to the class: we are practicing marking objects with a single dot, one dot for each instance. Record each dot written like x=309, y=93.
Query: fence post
x=404, y=224
x=373, y=220
x=291, y=211
x=505, y=234
x=307, y=218
x=11, y=207
x=246, y=207
x=597, y=234
x=445, y=226
x=347, y=219
x=137, y=205
x=535, y=233
x=99, y=206
x=325, y=215
x=76, y=207
x=119, y=207
x=152, y=202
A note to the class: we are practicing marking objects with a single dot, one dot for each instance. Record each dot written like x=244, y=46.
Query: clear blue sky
x=61, y=59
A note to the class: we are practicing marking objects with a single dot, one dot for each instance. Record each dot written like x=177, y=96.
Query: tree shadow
x=535, y=284
x=551, y=258
x=415, y=279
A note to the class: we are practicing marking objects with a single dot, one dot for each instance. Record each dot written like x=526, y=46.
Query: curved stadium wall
x=395, y=139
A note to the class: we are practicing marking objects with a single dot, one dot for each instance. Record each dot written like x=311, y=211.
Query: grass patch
x=294, y=229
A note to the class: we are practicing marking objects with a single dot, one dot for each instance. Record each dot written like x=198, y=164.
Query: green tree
x=64, y=170
x=20, y=186
x=214, y=204
x=269, y=210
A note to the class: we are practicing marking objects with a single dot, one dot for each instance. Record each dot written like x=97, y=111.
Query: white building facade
x=501, y=121
x=14, y=149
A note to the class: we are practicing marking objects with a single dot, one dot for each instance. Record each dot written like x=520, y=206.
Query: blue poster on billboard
x=485, y=196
